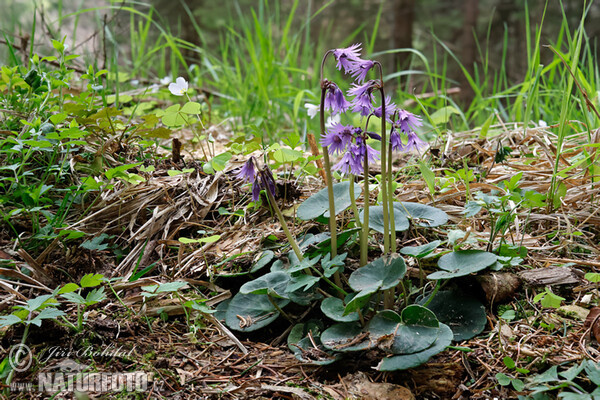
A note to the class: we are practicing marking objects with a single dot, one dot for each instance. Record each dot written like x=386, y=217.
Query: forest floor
x=194, y=355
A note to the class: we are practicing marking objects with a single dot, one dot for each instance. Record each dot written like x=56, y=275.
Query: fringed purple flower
x=351, y=162
x=414, y=142
x=390, y=109
x=372, y=154
x=259, y=179
x=407, y=121
x=337, y=138
x=396, y=141
x=335, y=100
x=345, y=57
x=248, y=172
x=363, y=99
x=360, y=68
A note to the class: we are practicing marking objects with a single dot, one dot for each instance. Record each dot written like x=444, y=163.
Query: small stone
x=573, y=311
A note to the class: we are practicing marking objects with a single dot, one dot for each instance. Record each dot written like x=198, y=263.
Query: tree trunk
x=404, y=15
x=469, y=46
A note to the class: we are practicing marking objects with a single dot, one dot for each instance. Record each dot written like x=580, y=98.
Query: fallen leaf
x=592, y=321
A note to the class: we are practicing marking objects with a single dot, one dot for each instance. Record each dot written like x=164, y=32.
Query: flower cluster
x=352, y=142
x=405, y=123
x=347, y=139
x=260, y=179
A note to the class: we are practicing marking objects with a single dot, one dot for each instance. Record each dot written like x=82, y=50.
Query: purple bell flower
x=360, y=68
x=407, y=121
x=346, y=56
x=335, y=100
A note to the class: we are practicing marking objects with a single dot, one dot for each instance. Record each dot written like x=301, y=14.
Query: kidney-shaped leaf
x=318, y=204
x=347, y=336
x=463, y=262
x=301, y=330
x=383, y=273
x=249, y=312
x=264, y=259
x=421, y=214
x=358, y=302
x=305, y=351
x=273, y=283
x=407, y=361
x=463, y=313
x=420, y=251
x=414, y=331
x=376, y=219
x=334, y=308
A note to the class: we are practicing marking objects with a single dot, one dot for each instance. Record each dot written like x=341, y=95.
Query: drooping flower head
x=414, y=142
x=248, y=172
x=396, y=140
x=346, y=56
x=360, y=68
x=179, y=88
x=363, y=97
x=372, y=154
x=351, y=162
x=390, y=109
x=260, y=179
x=407, y=121
x=356, y=148
x=335, y=100
x=337, y=138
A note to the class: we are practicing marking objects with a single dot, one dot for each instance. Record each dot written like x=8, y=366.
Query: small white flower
x=154, y=88
x=542, y=123
x=311, y=109
x=334, y=119
x=166, y=80
x=179, y=88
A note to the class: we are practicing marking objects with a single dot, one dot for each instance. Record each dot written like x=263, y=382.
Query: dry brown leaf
x=592, y=322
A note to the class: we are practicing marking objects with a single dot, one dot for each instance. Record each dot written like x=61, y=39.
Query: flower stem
x=353, y=201
x=384, y=177
x=284, y=226
x=364, y=248
x=390, y=193
x=332, y=222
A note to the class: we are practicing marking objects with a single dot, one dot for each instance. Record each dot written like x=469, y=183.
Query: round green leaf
x=461, y=263
x=412, y=332
x=358, y=302
x=345, y=337
x=334, y=308
x=419, y=315
x=407, y=361
x=420, y=251
x=318, y=204
x=463, y=313
x=382, y=273
x=273, y=283
x=376, y=219
x=221, y=310
x=301, y=330
x=306, y=352
x=421, y=214
x=249, y=312
x=263, y=260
